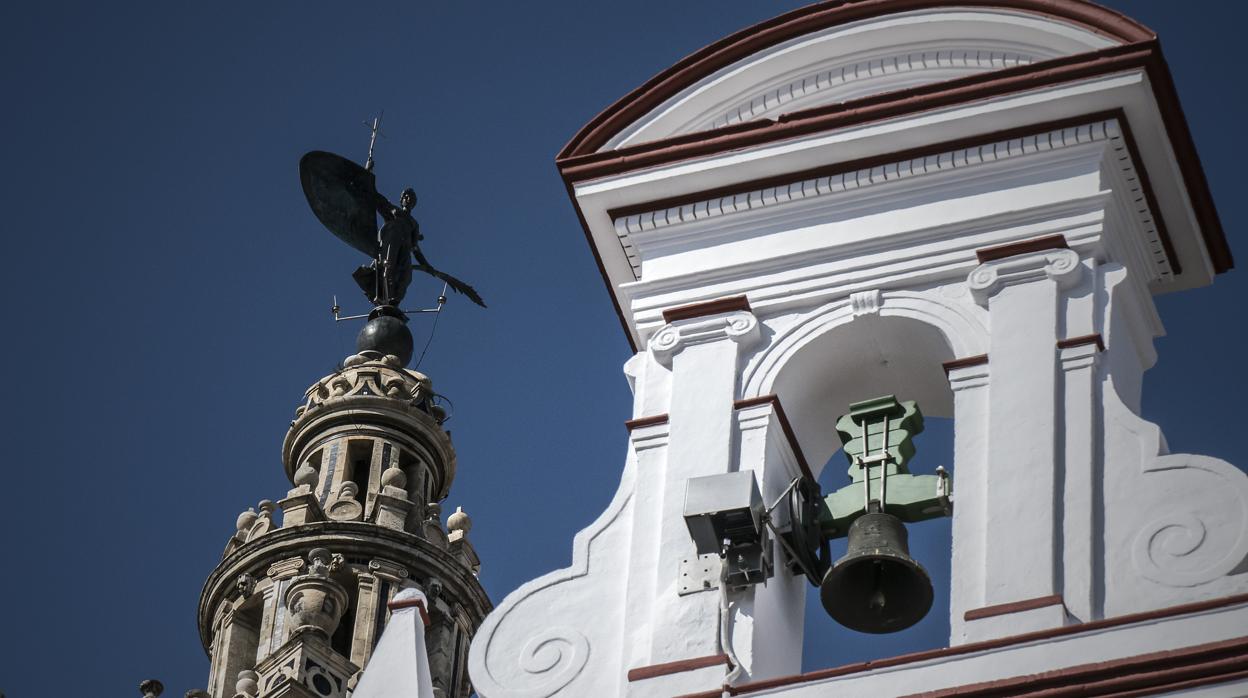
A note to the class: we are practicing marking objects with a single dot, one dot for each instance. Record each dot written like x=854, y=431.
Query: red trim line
x=865, y=163
x=1013, y=607
x=645, y=422
x=579, y=159
x=963, y=363
x=806, y=20
x=997, y=643
x=1048, y=242
x=721, y=305
x=1144, y=674
x=717, y=693
x=868, y=109
x=785, y=426
x=653, y=670
x=1094, y=338
x=410, y=603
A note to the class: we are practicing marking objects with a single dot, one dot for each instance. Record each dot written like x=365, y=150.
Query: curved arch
x=963, y=330
x=703, y=63
x=820, y=365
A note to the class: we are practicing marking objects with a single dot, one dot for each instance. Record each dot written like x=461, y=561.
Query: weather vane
x=344, y=198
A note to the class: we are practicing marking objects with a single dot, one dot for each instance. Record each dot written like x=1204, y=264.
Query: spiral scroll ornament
x=739, y=326
x=1190, y=546
x=548, y=662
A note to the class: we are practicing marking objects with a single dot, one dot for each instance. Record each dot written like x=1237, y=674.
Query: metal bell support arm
x=877, y=439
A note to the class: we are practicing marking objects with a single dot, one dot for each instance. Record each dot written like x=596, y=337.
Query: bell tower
x=298, y=602
x=963, y=206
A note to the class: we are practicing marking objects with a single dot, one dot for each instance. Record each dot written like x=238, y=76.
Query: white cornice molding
x=775, y=286
x=816, y=187
x=666, y=225
x=876, y=74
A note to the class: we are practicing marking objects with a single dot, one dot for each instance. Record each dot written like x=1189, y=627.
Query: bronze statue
x=344, y=197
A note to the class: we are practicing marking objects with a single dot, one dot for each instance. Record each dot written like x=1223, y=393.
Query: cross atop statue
x=374, y=131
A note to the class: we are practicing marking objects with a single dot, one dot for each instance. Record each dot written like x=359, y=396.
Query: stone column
x=375, y=587
x=702, y=353
x=273, y=621
x=235, y=651
x=1022, y=548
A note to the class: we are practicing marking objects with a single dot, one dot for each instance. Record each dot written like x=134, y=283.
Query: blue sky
x=166, y=291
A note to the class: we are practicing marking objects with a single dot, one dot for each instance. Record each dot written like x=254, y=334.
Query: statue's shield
x=343, y=196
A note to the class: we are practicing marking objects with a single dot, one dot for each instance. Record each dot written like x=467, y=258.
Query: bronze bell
x=877, y=587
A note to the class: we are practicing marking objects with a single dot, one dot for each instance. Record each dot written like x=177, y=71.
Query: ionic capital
x=739, y=326
x=1062, y=266
x=387, y=570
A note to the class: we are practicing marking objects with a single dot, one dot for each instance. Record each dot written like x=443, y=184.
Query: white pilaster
x=970, y=456
x=703, y=355
x=1020, y=522
x=1082, y=477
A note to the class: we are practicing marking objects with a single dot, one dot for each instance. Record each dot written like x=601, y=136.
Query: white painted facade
x=893, y=277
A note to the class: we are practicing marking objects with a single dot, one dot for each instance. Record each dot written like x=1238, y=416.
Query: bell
x=876, y=587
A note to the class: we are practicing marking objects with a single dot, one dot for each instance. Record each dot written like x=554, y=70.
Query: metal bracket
x=699, y=573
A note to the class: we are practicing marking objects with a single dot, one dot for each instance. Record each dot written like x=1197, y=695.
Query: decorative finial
x=246, y=519
x=151, y=688
x=433, y=512
x=394, y=477
x=459, y=521
x=306, y=475
x=248, y=683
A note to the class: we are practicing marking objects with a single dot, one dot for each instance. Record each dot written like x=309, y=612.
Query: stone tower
x=295, y=608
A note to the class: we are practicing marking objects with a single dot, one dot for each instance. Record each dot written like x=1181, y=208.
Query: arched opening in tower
x=869, y=357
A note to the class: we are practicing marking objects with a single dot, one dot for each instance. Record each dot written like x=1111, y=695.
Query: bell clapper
x=877, y=600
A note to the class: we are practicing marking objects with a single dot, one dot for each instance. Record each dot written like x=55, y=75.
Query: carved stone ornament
x=989, y=278
x=740, y=326
x=264, y=520
x=242, y=526
x=306, y=476
x=284, y=569
x=345, y=507
x=387, y=570
x=865, y=302
x=245, y=585
x=248, y=683
x=322, y=563
x=315, y=601
x=361, y=375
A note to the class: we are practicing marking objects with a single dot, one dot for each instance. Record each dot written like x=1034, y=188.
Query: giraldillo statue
x=344, y=198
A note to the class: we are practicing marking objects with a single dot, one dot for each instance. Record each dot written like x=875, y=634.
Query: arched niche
x=842, y=354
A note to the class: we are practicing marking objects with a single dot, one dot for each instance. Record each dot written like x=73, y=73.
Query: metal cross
x=375, y=127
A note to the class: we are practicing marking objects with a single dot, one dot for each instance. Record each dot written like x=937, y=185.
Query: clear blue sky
x=166, y=290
